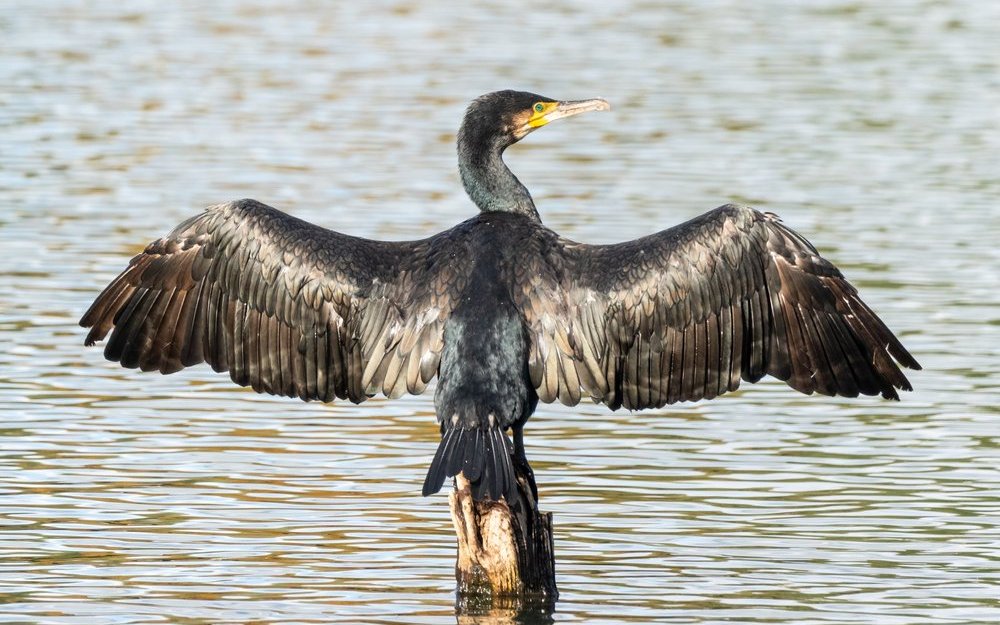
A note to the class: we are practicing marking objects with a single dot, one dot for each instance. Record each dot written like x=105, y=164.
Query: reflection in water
x=132, y=498
x=500, y=611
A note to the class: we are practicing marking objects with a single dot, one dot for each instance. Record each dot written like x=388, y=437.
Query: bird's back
x=483, y=386
x=482, y=372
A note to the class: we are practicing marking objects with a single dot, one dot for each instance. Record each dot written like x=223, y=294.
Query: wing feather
x=285, y=306
x=712, y=356
x=686, y=313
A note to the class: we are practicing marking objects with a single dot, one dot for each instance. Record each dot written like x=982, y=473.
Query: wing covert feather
x=287, y=307
x=685, y=313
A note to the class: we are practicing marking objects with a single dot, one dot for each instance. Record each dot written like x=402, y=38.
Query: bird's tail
x=482, y=455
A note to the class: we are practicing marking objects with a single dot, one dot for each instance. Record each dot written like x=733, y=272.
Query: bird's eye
x=539, y=107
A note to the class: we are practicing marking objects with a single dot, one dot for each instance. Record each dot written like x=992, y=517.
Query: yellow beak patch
x=538, y=113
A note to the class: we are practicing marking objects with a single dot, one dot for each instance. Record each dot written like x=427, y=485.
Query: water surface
x=138, y=498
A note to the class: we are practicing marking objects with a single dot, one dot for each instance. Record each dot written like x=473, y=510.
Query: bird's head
x=494, y=122
x=500, y=119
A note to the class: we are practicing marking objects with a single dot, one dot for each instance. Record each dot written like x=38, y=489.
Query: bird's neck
x=491, y=184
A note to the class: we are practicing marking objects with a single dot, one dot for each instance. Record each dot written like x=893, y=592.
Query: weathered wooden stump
x=505, y=552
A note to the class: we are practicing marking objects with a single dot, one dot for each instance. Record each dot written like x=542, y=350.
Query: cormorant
x=502, y=309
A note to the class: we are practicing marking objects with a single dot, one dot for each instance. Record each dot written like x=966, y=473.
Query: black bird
x=502, y=309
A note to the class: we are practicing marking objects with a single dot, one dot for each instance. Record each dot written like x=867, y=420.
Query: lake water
x=873, y=129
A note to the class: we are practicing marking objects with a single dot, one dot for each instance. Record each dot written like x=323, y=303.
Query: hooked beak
x=558, y=110
x=575, y=107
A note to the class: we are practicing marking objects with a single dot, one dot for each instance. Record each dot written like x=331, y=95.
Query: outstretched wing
x=686, y=313
x=285, y=306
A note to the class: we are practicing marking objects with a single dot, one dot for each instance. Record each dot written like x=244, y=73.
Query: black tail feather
x=472, y=466
x=482, y=455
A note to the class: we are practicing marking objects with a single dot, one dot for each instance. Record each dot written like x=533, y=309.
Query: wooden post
x=505, y=548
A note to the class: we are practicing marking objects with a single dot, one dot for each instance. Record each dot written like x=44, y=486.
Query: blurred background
x=871, y=128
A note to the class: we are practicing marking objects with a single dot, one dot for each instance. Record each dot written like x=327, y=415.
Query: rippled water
x=137, y=498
